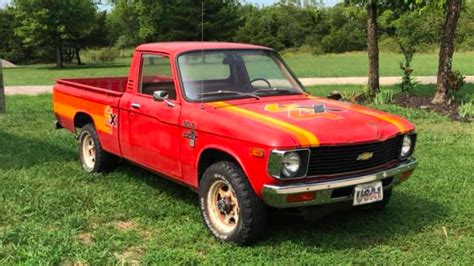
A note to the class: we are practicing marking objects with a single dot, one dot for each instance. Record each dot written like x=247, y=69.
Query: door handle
x=135, y=105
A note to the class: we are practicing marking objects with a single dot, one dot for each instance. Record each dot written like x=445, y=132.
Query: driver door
x=154, y=125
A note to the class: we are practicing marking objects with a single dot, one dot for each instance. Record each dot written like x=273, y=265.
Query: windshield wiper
x=275, y=90
x=220, y=92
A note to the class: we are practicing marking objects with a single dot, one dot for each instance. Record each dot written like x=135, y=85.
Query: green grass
x=47, y=74
x=355, y=64
x=304, y=65
x=51, y=212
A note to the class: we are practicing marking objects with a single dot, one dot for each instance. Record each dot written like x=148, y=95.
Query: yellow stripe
x=388, y=118
x=305, y=137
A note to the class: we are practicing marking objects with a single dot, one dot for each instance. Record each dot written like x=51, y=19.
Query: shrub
x=388, y=45
x=102, y=55
x=408, y=81
x=466, y=110
x=384, y=97
x=456, y=81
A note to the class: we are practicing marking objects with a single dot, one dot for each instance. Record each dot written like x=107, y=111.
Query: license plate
x=368, y=193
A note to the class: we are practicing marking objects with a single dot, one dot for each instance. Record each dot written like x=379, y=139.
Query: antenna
x=202, y=51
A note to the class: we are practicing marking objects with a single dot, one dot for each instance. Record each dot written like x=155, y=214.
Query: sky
x=257, y=2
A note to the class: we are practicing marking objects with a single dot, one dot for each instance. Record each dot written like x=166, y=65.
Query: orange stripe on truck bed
x=68, y=106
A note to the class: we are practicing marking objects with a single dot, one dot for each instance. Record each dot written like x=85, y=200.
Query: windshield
x=215, y=75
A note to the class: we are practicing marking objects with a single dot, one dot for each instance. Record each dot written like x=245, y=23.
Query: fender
x=229, y=151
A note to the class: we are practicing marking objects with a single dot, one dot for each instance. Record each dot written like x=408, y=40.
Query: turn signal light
x=257, y=152
x=305, y=196
x=404, y=176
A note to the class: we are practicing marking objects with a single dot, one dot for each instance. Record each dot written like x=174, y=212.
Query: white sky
x=258, y=2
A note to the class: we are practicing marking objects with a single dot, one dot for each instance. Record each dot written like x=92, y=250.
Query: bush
x=384, y=97
x=456, y=82
x=388, y=45
x=408, y=81
x=466, y=110
x=101, y=55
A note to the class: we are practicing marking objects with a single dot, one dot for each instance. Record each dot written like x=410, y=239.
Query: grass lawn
x=355, y=64
x=52, y=212
x=304, y=65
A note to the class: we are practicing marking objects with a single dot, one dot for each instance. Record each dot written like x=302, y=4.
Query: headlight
x=291, y=164
x=408, y=145
x=288, y=164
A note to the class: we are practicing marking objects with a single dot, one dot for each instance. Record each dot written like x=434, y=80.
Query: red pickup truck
x=232, y=122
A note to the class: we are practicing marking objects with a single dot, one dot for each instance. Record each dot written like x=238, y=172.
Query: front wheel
x=230, y=208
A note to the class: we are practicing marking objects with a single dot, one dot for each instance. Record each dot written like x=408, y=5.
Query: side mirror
x=160, y=96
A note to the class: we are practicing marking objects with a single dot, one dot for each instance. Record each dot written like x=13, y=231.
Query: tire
x=93, y=158
x=229, y=207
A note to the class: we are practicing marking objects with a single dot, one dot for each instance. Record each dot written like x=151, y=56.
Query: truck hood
x=314, y=121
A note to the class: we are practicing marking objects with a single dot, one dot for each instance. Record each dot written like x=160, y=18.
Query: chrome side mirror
x=162, y=96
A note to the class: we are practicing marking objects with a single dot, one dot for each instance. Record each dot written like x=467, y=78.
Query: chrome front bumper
x=329, y=191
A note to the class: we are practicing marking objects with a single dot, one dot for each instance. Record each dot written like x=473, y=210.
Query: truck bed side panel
x=71, y=102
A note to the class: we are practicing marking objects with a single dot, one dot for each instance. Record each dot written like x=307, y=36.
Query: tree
x=372, y=46
x=452, y=11
x=2, y=90
x=53, y=23
x=164, y=20
x=371, y=7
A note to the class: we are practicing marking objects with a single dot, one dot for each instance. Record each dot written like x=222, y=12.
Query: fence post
x=2, y=90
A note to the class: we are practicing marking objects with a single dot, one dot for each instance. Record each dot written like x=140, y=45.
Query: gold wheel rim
x=223, y=206
x=88, y=151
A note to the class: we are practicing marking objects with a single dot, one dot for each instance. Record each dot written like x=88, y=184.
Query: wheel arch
x=81, y=119
x=210, y=155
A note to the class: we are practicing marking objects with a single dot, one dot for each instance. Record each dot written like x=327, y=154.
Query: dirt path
x=384, y=81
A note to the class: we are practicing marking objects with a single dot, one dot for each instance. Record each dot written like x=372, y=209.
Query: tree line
x=46, y=31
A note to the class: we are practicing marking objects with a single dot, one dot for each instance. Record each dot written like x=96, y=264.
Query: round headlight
x=291, y=164
x=406, y=147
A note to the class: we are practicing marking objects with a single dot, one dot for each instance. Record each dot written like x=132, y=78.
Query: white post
x=2, y=90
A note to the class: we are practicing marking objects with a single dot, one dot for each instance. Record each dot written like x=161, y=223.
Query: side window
x=156, y=75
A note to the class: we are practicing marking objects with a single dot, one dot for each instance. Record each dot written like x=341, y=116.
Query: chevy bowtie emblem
x=365, y=156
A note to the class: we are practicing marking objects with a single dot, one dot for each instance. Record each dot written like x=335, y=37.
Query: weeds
x=466, y=110
x=384, y=97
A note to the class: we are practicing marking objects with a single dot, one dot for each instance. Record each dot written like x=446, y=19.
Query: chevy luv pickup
x=232, y=122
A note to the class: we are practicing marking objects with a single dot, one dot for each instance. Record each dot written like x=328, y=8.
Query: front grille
x=338, y=160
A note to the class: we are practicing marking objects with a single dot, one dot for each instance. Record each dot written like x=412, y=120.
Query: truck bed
x=110, y=85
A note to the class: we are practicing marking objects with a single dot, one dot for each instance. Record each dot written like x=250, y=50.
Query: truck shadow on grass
x=350, y=228
x=405, y=215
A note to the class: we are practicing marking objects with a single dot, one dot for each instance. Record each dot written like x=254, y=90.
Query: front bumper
x=333, y=191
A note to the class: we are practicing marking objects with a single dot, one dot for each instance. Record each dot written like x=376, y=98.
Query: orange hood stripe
x=385, y=117
x=305, y=137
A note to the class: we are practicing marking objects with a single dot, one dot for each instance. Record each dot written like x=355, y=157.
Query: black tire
x=380, y=205
x=101, y=161
x=251, y=216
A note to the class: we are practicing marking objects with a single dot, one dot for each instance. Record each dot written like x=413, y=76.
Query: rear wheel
x=93, y=157
x=230, y=208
